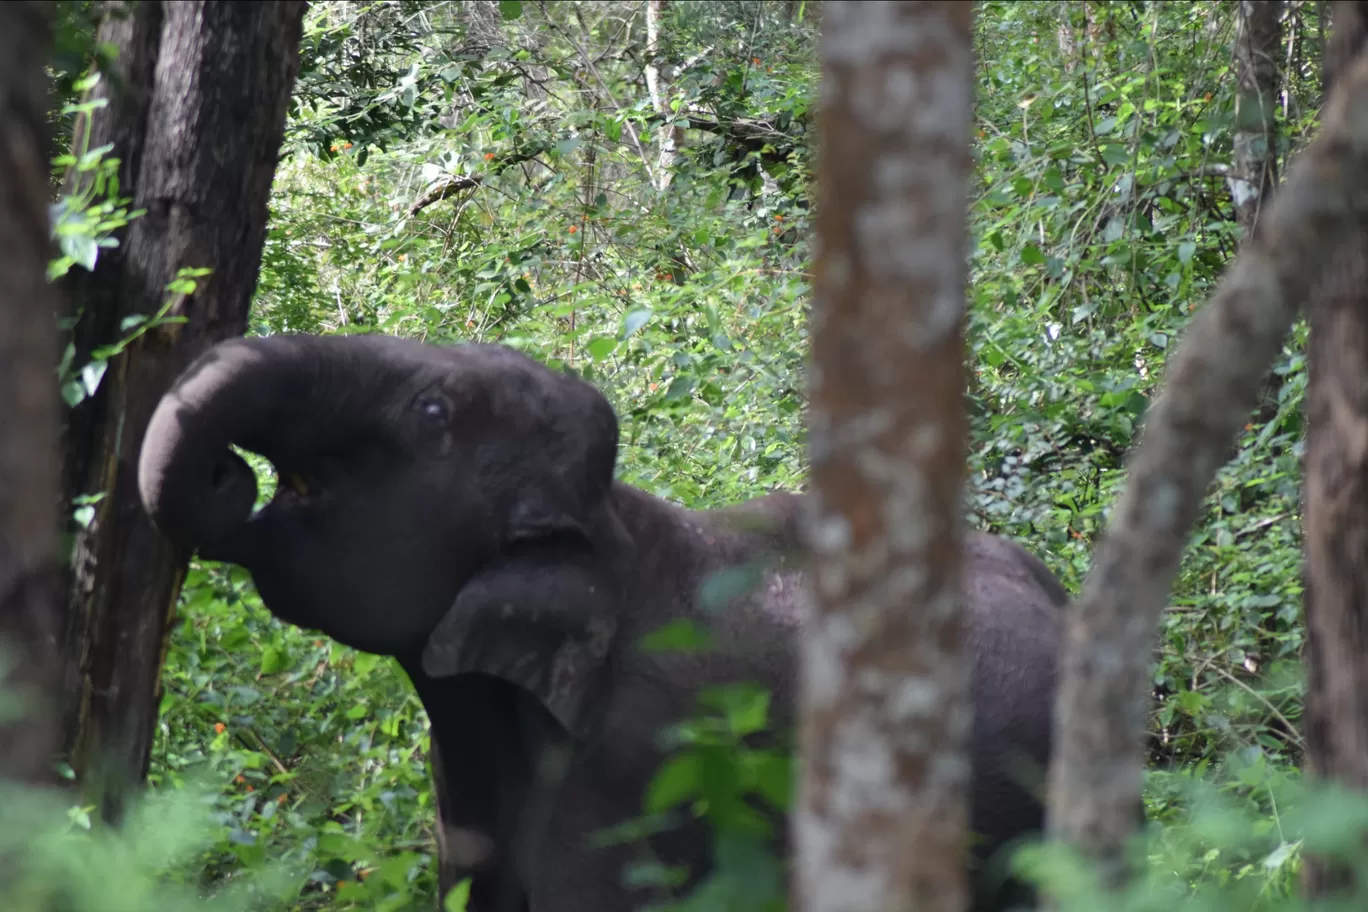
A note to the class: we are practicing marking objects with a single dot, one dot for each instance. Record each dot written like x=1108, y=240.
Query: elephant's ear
x=542, y=616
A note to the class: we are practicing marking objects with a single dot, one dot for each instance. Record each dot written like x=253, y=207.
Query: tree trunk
x=1255, y=168
x=883, y=816
x=28, y=400
x=671, y=136
x=1212, y=384
x=1334, y=522
x=199, y=106
x=1068, y=40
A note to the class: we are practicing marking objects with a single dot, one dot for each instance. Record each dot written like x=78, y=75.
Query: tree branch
x=1213, y=383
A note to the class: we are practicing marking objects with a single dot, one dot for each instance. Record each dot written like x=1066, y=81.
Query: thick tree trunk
x=28, y=399
x=882, y=819
x=1335, y=517
x=199, y=105
x=1212, y=384
x=1254, y=173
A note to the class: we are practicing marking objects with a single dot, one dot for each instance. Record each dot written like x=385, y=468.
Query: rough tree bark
x=1335, y=513
x=882, y=817
x=1254, y=170
x=198, y=108
x=28, y=399
x=1212, y=384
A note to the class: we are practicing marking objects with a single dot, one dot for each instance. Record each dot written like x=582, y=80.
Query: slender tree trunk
x=28, y=400
x=671, y=135
x=1212, y=384
x=1258, y=42
x=883, y=809
x=199, y=105
x=1068, y=39
x=1254, y=169
x=1334, y=521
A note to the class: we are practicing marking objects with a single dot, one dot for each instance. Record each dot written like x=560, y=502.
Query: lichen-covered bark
x=882, y=817
x=1212, y=384
x=1335, y=516
x=28, y=397
x=203, y=89
x=1254, y=171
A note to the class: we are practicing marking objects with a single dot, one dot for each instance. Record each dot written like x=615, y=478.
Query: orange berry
x=489, y=156
x=574, y=228
x=219, y=727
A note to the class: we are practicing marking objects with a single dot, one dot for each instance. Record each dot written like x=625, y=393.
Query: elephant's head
x=416, y=480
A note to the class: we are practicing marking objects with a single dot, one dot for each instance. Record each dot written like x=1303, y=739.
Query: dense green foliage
x=1099, y=224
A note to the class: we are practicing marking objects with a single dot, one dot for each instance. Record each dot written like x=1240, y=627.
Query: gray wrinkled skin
x=454, y=507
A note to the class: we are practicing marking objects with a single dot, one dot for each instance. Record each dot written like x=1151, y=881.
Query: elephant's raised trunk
x=243, y=391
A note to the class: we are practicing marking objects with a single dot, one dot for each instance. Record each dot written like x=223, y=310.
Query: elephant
x=456, y=507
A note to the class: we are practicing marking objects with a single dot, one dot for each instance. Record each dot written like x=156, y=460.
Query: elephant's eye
x=434, y=411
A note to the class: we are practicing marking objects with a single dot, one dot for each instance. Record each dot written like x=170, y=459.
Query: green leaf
x=601, y=347
x=1031, y=255
x=359, y=711
x=635, y=320
x=677, y=780
x=274, y=659
x=92, y=374
x=82, y=249
x=679, y=635
x=73, y=393
x=722, y=587
x=458, y=896
x=510, y=10
x=680, y=388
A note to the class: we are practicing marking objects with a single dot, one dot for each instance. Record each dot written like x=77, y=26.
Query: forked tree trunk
x=1210, y=388
x=197, y=113
x=28, y=401
x=1335, y=517
x=883, y=815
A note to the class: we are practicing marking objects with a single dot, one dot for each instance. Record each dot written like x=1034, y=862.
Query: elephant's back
x=1014, y=614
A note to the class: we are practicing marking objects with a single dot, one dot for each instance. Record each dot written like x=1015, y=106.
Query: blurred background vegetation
x=633, y=199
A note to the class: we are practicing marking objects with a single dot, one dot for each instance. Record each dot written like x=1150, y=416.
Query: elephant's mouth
x=295, y=491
